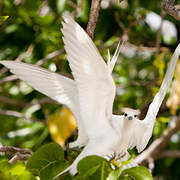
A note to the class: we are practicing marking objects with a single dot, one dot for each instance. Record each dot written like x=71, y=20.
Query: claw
x=111, y=156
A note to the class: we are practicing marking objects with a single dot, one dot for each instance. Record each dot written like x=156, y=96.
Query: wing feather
x=94, y=81
x=147, y=124
x=57, y=87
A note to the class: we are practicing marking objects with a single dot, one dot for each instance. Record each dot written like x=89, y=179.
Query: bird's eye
x=135, y=116
x=125, y=114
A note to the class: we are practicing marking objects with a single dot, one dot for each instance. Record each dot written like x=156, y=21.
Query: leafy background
x=28, y=119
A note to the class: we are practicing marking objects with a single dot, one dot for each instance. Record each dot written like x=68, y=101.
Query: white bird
x=90, y=97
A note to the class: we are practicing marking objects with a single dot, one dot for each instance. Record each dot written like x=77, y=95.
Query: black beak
x=130, y=118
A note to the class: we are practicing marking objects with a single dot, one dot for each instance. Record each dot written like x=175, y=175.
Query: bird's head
x=130, y=114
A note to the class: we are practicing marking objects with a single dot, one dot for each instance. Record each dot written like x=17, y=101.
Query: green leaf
x=3, y=18
x=85, y=10
x=114, y=175
x=47, y=161
x=138, y=173
x=61, y=5
x=16, y=171
x=93, y=167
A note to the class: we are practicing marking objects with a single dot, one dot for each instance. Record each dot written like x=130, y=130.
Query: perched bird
x=90, y=97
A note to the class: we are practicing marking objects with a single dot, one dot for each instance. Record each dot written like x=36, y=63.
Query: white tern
x=90, y=97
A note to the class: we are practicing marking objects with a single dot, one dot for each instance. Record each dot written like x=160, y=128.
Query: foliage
x=36, y=24
x=49, y=160
x=2, y=19
x=14, y=171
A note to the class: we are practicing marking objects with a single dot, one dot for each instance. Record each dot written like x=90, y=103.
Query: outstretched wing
x=148, y=123
x=95, y=84
x=57, y=87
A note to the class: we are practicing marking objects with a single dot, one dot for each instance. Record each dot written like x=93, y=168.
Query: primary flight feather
x=90, y=97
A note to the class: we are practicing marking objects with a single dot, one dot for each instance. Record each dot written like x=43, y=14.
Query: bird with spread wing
x=90, y=97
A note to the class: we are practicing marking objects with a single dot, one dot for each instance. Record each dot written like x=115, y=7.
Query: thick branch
x=168, y=7
x=93, y=17
x=17, y=153
x=154, y=150
x=12, y=150
x=172, y=154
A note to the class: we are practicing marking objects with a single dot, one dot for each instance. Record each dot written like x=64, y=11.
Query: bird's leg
x=111, y=156
x=121, y=155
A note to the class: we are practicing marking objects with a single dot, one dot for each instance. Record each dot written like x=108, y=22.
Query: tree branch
x=11, y=113
x=16, y=153
x=93, y=17
x=158, y=37
x=39, y=63
x=20, y=57
x=168, y=7
x=172, y=154
x=50, y=56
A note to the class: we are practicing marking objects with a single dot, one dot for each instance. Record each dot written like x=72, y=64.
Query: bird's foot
x=111, y=156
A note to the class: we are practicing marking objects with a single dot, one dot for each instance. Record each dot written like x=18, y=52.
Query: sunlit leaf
x=137, y=173
x=14, y=171
x=3, y=18
x=160, y=65
x=61, y=5
x=84, y=10
x=61, y=125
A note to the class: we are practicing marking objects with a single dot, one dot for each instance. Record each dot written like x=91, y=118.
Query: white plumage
x=90, y=97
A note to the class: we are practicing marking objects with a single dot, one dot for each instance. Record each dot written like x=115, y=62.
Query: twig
x=50, y=56
x=93, y=17
x=120, y=24
x=72, y=4
x=130, y=45
x=158, y=37
x=8, y=79
x=17, y=114
x=20, y=58
x=19, y=156
x=39, y=63
x=11, y=113
x=9, y=101
x=17, y=153
x=12, y=102
x=168, y=7
x=172, y=154
x=154, y=150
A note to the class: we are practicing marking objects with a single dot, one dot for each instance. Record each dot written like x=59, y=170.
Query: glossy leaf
x=138, y=173
x=47, y=161
x=93, y=167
